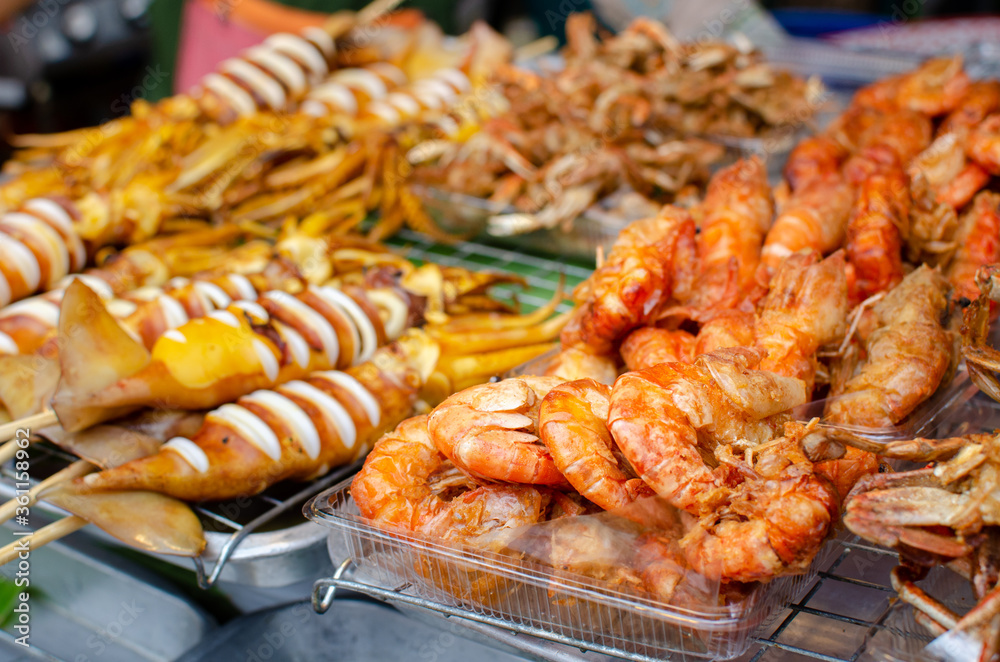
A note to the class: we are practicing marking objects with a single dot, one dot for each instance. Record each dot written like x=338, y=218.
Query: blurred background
x=73, y=63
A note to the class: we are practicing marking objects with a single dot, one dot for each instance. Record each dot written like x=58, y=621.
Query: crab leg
x=903, y=582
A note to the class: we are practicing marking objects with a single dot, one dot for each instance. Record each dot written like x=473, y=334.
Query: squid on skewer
x=208, y=361
x=214, y=359
x=296, y=431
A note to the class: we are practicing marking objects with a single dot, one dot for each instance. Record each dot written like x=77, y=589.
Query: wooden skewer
x=8, y=430
x=75, y=470
x=42, y=536
x=376, y=10
x=536, y=48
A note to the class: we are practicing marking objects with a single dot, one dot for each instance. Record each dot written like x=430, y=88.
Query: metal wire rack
x=227, y=524
x=541, y=273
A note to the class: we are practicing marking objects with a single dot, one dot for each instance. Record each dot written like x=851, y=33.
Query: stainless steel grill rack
x=241, y=546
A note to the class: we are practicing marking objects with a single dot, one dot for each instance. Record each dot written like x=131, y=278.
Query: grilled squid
x=380, y=93
x=270, y=76
x=217, y=358
x=147, y=312
x=296, y=431
x=39, y=246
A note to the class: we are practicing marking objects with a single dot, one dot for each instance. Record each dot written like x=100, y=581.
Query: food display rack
x=838, y=617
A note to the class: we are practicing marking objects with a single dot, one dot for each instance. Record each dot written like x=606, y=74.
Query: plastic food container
x=528, y=598
x=597, y=226
x=467, y=215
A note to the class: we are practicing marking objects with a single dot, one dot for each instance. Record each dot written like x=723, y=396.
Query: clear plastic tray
x=596, y=227
x=467, y=215
x=540, y=601
x=921, y=422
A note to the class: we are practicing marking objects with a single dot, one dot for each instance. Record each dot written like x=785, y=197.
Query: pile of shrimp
x=701, y=338
x=527, y=464
x=626, y=113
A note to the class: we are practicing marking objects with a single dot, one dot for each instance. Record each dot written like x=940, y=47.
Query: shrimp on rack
x=878, y=226
x=953, y=179
x=731, y=329
x=737, y=214
x=407, y=483
x=981, y=99
x=667, y=419
x=813, y=159
x=805, y=309
x=983, y=144
x=815, y=214
x=908, y=354
x=978, y=241
x=490, y=431
x=648, y=346
x=936, y=87
x=633, y=285
x=772, y=524
x=572, y=423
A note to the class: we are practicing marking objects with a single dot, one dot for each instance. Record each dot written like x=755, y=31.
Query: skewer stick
x=536, y=48
x=9, y=430
x=42, y=536
x=75, y=470
x=376, y=10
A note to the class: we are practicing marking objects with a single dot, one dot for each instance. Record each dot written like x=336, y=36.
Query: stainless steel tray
x=89, y=604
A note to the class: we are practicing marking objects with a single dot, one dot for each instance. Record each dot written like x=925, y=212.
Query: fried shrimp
x=731, y=329
x=908, y=354
x=980, y=99
x=813, y=159
x=875, y=232
x=645, y=347
x=770, y=527
x=669, y=419
x=814, y=217
x=572, y=423
x=805, y=308
x=406, y=483
x=737, y=209
x=773, y=522
x=632, y=286
x=978, y=240
x=490, y=431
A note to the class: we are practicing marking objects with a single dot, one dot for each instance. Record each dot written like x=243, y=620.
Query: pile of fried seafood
x=695, y=340
x=627, y=113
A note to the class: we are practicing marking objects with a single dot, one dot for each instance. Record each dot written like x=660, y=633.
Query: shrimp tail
x=96, y=353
